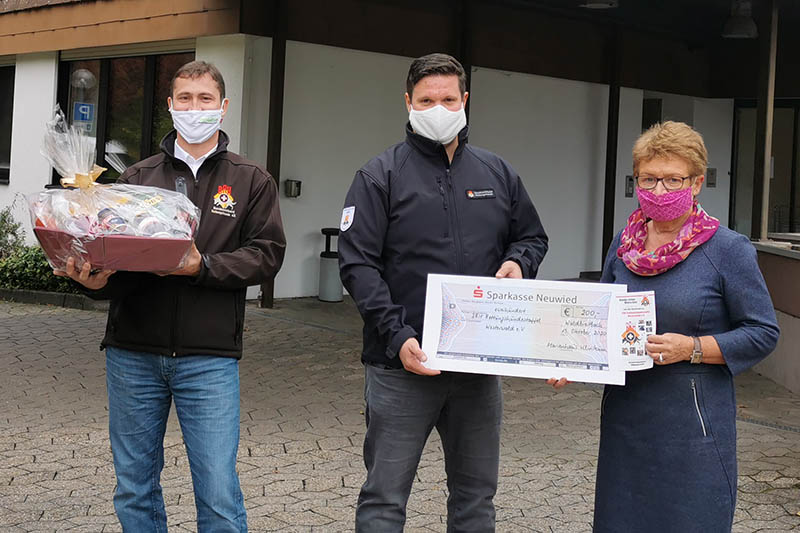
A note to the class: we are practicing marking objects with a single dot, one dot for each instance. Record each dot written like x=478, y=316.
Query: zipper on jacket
x=444, y=205
x=196, y=183
x=456, y=229
x=697, y=407
x=441, y=191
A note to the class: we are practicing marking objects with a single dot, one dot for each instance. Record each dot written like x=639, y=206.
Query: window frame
x=750, y=103
x=5, y=173
x=149, y=94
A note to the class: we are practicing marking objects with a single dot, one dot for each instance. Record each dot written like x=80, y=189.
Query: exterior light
x=741, y=24
x=600, y=4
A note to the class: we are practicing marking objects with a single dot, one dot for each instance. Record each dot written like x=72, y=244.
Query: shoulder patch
x=348, y=214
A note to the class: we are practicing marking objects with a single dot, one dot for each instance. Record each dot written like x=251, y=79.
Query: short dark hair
x=432, y=65
x=195, y=69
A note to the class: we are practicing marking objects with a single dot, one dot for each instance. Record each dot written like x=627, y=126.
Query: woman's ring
x=660, y=357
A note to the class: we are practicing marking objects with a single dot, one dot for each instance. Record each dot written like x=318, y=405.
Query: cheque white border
x=432, y=329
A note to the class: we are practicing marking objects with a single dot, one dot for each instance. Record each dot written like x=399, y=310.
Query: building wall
x=35, y=83
x=783, y=366
x=630, y=126
x=781, y=269
x=713, y=118
x=553, y=132
x=341, y=108
x=677, y=107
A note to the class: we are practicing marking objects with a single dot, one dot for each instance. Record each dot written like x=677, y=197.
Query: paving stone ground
x=302, y=429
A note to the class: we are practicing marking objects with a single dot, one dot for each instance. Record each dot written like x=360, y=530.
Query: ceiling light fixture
x=600, y=4
x=740, y=25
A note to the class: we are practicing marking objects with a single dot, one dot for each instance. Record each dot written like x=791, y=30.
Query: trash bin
x=330, y=284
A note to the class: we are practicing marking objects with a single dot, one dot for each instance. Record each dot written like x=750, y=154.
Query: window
x=122, y=102
x=6, y=112
x=784, y=187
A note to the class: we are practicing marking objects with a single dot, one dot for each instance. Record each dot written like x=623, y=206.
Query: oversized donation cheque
x=114, y=227
x=592, y=332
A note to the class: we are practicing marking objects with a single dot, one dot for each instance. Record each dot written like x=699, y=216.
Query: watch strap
x=697, y=353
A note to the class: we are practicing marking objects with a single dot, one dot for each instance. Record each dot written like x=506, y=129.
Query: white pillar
x=244, y=61
x=35, y=82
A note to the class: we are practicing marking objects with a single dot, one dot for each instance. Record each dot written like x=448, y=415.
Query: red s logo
x=478, y=292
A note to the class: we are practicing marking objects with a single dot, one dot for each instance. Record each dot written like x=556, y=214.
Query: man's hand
x=558, y=383
x=412, y=357
x=509, y=269
x=84, y=276
x=191, y=264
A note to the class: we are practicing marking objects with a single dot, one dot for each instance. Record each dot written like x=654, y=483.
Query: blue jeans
x=402, y=409
x=141, y=388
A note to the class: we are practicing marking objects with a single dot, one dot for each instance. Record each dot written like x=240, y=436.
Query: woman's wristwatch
x=697, y=353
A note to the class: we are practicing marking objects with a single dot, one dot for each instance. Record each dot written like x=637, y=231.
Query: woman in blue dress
x=667, y=458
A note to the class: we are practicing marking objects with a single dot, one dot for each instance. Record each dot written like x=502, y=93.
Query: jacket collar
x=433, y=148
x=168, y=144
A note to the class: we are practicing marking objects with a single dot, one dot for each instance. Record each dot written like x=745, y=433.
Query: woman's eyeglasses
x=672, y=183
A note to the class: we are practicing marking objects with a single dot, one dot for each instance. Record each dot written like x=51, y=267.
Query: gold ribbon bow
x=83, y=181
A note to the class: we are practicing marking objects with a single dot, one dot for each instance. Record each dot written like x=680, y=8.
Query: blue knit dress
x=667, y=458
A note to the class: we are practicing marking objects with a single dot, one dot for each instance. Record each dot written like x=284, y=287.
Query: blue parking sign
x=82, y=111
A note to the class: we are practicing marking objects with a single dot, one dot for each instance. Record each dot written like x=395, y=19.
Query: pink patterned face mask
x=667, y=206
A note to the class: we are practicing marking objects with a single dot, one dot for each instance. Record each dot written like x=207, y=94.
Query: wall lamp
x=740, y=25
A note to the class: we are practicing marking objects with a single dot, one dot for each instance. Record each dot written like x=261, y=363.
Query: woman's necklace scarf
x=698, y=228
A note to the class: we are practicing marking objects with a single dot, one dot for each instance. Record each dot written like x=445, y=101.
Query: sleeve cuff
x=201, y=276
x=398, y=340
x=526, y=271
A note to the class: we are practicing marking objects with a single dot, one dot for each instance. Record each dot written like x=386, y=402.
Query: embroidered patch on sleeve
x=348, y=214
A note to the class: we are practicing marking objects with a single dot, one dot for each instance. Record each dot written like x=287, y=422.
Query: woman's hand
x=558, y=383
x=669, y=348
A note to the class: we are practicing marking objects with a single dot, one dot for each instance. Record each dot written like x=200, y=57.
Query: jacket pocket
x=143, y=320
x=209, y=321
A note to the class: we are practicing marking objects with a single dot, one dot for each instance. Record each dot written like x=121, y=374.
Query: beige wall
x=782, y=274
x=783, y=366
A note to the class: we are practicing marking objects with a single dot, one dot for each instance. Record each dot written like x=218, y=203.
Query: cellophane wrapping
x=95, y=211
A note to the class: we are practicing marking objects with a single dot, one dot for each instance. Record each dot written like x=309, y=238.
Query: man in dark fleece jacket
x=178, y=336
x=431, y=204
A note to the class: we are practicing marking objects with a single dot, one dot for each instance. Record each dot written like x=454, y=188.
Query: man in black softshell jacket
x=431, y=204
x=177, y=336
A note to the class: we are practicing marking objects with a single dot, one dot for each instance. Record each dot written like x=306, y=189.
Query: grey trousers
x=402, y=409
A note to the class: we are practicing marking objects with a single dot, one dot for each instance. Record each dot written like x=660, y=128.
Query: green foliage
x=27, y=268
x=11, y=238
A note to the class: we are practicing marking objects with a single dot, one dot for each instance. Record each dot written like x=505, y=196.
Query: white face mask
x=438, y=123
x=197, y=126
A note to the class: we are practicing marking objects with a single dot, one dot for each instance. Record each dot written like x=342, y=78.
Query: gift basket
x=113, y=227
